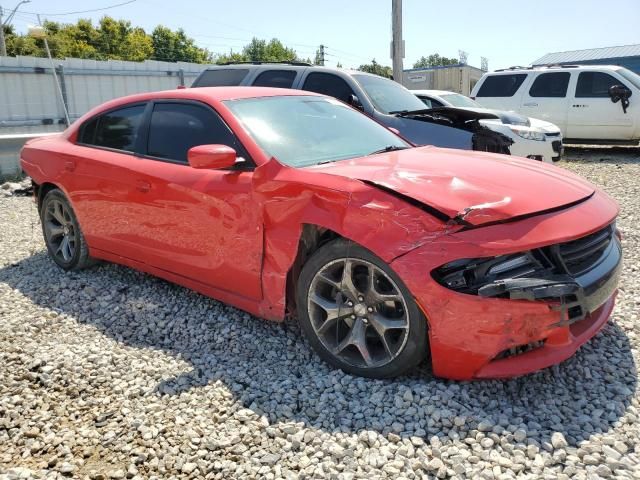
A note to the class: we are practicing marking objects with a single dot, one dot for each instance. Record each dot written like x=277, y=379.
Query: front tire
x=357, y=313
x=62, y=234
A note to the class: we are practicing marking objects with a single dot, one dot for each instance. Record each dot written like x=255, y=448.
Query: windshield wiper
x=388, y=148
x=402, y=113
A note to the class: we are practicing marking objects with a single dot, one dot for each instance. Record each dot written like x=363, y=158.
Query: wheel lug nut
x=369, y=309
x=360, y=299
x=353, y=317
x=350, y=303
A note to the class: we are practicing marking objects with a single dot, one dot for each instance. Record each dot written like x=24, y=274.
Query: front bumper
x=475, y=337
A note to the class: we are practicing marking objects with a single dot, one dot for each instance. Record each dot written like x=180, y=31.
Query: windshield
x=387, y=95
x=634, y=78
x=457, y=100
x=300, y=131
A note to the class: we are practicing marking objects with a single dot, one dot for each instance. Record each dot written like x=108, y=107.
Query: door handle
x=143, y=186
x=69, y=165
x=530, y=104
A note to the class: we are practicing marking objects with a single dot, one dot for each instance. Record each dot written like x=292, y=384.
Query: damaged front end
x=481, y=139
x=575, y=277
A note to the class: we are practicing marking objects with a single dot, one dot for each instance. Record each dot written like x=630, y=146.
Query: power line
x=82, y=11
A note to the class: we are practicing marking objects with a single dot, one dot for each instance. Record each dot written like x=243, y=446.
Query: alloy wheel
x=358, y=312
x=59, y=230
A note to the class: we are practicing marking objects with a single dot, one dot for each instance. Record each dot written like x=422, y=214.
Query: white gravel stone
x=112, y=372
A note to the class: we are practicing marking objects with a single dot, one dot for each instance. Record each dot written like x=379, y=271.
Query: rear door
x=281, y=78
x=592, y=114
x=546, y=98
x=100, y=189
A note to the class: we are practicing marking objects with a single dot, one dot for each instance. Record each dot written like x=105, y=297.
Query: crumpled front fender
x=291, y=198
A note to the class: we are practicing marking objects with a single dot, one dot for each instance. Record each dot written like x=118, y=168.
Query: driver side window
x=176, y=127
x=595, y=84
x=328, y=84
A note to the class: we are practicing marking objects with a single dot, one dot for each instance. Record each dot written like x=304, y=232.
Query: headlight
x=470, y=274
x=529, y=133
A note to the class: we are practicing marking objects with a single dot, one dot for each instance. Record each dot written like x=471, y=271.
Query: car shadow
x=615, y=155
x=271, y=370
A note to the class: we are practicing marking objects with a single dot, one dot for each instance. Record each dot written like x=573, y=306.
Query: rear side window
x=501, y=85
x=328, y=84
x=228, y=77
x=595, y=84
x=176, y=127
x=116, y=129
x=550, y=85
x=275, y=78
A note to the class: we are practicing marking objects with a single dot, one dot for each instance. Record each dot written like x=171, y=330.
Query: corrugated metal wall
x=29, y=101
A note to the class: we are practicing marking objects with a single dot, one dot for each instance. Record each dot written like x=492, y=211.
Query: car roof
x=284, y=66
x=553, y=68
x=219, y=94
x=433, y=92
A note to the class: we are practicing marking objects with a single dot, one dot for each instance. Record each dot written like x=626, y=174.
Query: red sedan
x=283, y=202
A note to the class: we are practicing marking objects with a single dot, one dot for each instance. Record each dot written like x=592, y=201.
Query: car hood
x=508, y=118
x=472, y=188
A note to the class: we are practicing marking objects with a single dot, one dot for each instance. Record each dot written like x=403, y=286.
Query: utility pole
x=397, y=43
x=3, y=46
x=7, y=22
x=322, y=55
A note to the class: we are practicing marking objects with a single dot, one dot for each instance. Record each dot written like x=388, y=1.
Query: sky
x=506, y=32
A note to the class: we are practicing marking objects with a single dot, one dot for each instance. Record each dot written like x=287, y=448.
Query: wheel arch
x=312, y=237
x=41, y=190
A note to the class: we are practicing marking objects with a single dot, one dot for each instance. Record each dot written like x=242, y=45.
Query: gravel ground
x=110, y=373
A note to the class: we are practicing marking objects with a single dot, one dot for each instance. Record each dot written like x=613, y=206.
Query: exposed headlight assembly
x=529, y=134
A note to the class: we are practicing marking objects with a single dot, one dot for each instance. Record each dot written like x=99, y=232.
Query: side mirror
x=213, y=157
x=620, y=93
x=354, y=101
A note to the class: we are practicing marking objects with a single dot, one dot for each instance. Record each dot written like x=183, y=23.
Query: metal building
x=627, y=56
x=460, y=78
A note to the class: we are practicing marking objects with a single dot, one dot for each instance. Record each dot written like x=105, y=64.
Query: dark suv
x=385, y=100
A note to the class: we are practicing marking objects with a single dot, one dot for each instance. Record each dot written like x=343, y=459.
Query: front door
x=592, y=114
x=200, y=224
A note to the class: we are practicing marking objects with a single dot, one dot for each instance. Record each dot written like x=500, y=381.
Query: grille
x=553, y=134
x=581, y=254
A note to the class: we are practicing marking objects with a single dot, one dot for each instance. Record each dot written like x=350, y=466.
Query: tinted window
x=328, y=84
x=595, y=84
x=116, y=129
x=501, y=85
x=176, y=127
x=221, y=78
x=550, y=85
x=275, y=78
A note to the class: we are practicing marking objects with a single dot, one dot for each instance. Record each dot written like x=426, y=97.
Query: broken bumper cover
x=519, y=326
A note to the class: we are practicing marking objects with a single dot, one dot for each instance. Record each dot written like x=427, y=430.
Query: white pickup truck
x=590, y=103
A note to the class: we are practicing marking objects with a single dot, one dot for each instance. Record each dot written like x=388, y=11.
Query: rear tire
x=357, y=313
x=62, y=233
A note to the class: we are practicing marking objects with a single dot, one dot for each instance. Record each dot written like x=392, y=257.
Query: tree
x=176, y=46
x=111, y=39
x=261, y=51
x=435, y=60
x=377, y=69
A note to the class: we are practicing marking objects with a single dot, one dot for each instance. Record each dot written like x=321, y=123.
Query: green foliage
x=111, y=39
x=261, y=51
x=377, y=69
x=435, y=60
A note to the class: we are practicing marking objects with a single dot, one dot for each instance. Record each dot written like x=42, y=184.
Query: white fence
x=30, y=103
